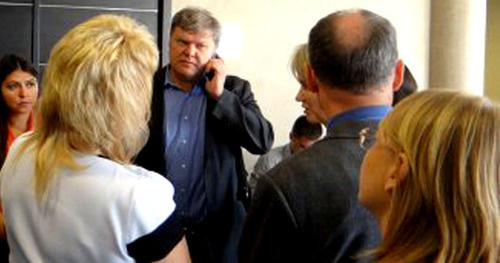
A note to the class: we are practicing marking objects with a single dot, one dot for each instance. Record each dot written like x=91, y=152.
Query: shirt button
x=183, y=166
x=186, y=117
x=184, y=141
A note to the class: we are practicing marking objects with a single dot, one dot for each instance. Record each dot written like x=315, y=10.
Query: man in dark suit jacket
x=201, y=118
x=306, y=208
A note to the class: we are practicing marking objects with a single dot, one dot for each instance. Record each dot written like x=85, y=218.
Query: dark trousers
x=4, y=251
x=216, y=239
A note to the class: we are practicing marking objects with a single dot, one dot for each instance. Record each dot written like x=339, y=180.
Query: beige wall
x=492, y=69
x=267, y=31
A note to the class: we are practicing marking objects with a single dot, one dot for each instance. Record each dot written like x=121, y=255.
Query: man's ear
x=311, y=80
x=399, y=173
x=399, y=73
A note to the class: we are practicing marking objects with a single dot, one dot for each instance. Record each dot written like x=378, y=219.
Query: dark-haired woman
x=19, y=95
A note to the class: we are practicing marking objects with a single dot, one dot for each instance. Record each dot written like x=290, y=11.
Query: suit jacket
x=232, y=122
x=306, y=209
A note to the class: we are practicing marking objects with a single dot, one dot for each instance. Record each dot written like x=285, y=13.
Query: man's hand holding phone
x=216, y=73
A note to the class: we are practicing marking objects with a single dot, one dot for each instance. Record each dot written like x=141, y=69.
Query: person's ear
x=399, y=73
x=311, y=80
x=399, y=173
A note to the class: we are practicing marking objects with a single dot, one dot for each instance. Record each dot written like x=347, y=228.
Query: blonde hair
x=447, y=208
x=97, y=96
x=300, y=61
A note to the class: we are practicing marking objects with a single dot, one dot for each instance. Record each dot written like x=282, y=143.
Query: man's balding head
x=353, y=50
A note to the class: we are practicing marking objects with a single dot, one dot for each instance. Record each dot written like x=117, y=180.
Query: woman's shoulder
x=14, y=149
x=133, y=174
x=147, y=195
x=153, y=201
x=147, y=177
x=20, y=140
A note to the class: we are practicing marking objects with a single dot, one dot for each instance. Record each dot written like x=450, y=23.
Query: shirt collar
x=196, y=91
x=360, y=113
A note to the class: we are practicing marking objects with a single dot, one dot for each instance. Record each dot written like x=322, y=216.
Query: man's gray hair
x=357, y=67
x=195, y=20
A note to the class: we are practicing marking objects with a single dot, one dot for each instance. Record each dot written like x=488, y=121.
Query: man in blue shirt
x=306, y=209
x=200, y=120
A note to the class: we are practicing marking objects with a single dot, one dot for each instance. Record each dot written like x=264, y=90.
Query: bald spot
x=350, y=29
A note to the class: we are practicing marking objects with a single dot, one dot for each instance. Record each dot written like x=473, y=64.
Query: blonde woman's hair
x=96, y=97
x=300, y=61
x=447, y=208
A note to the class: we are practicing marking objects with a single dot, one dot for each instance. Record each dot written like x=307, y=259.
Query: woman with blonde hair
x=68, y=189
x=431, y=178
x=309, y=99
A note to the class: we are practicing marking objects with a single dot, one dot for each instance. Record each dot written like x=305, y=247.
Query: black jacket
x=306, y=208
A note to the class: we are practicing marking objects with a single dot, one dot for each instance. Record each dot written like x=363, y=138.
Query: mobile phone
x=211, y=73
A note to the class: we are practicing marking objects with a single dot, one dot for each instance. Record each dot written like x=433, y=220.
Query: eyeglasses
x=366, y=138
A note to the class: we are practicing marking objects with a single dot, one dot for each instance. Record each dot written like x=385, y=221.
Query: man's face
x=189, y=53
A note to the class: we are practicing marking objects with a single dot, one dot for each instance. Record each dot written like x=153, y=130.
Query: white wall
x=492, y=63
x=267, y=31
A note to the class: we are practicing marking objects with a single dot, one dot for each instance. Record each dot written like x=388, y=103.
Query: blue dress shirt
x=361, y=113
x=185, y=143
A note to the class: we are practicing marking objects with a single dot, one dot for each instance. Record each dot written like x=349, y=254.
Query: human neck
x=184, y=85
x=337, y=101
x=382, y=222
x=18, y=122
